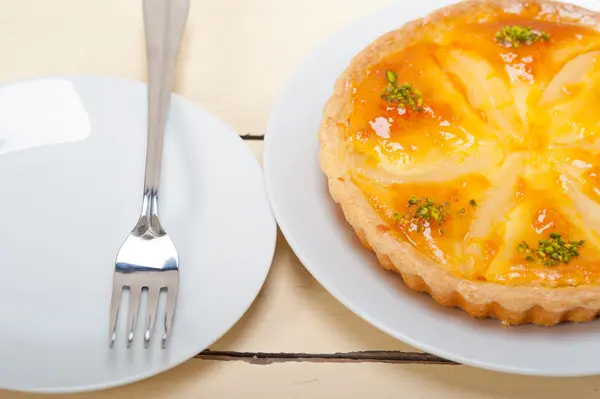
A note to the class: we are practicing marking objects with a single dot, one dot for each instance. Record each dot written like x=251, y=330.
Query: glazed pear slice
x=485, y=90
x=583, y=210
x=577, y=71
x=446, y=169
x=442, y=90
x=514, y=230
x=498, y=201
x=566, y=99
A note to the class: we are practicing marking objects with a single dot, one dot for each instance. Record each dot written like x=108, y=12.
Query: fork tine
x=135, y=293
x=115, y=304
x=169, y=314
x=151, y=309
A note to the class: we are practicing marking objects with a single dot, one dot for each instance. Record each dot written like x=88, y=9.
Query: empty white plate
x=71, y=171
x=328, y=247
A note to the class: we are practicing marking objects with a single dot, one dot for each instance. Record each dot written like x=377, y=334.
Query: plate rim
x=265, y=270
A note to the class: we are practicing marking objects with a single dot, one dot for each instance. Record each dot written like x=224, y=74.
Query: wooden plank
x=299, y=380
x=234, y=60
x=256, y=146
x=296, y=341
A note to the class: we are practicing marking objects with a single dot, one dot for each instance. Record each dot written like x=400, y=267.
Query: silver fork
x=148, y=259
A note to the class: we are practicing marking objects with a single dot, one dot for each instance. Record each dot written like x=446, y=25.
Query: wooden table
x=296, y=341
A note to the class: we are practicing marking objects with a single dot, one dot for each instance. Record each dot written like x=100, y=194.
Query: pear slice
x=577, y=71
x=485, y=89
x=447, y=169
x=582, y=209
x=498, y=201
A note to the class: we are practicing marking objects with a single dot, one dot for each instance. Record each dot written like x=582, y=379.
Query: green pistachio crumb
x=425, y=210
x=391, y=76
x=473, y=202
x=552, y=251
x=404, y=94
x=514, y=36
x=428, y=210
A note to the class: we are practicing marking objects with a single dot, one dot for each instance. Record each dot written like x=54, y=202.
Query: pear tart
x=464, y=149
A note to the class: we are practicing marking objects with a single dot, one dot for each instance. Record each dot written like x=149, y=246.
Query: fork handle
x=164, y=23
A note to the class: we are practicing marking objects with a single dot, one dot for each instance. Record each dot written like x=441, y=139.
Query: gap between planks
x=252, y=137
x=264, y=358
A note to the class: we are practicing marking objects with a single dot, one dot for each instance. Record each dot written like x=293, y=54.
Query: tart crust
x=510, y=304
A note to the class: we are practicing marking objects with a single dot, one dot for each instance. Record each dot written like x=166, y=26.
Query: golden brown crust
x=510, y=304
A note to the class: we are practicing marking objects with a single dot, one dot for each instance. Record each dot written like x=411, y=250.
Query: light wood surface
x=296, y=341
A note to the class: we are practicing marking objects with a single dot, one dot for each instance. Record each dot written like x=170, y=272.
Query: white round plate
x=327, y=246
x=72, y=153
